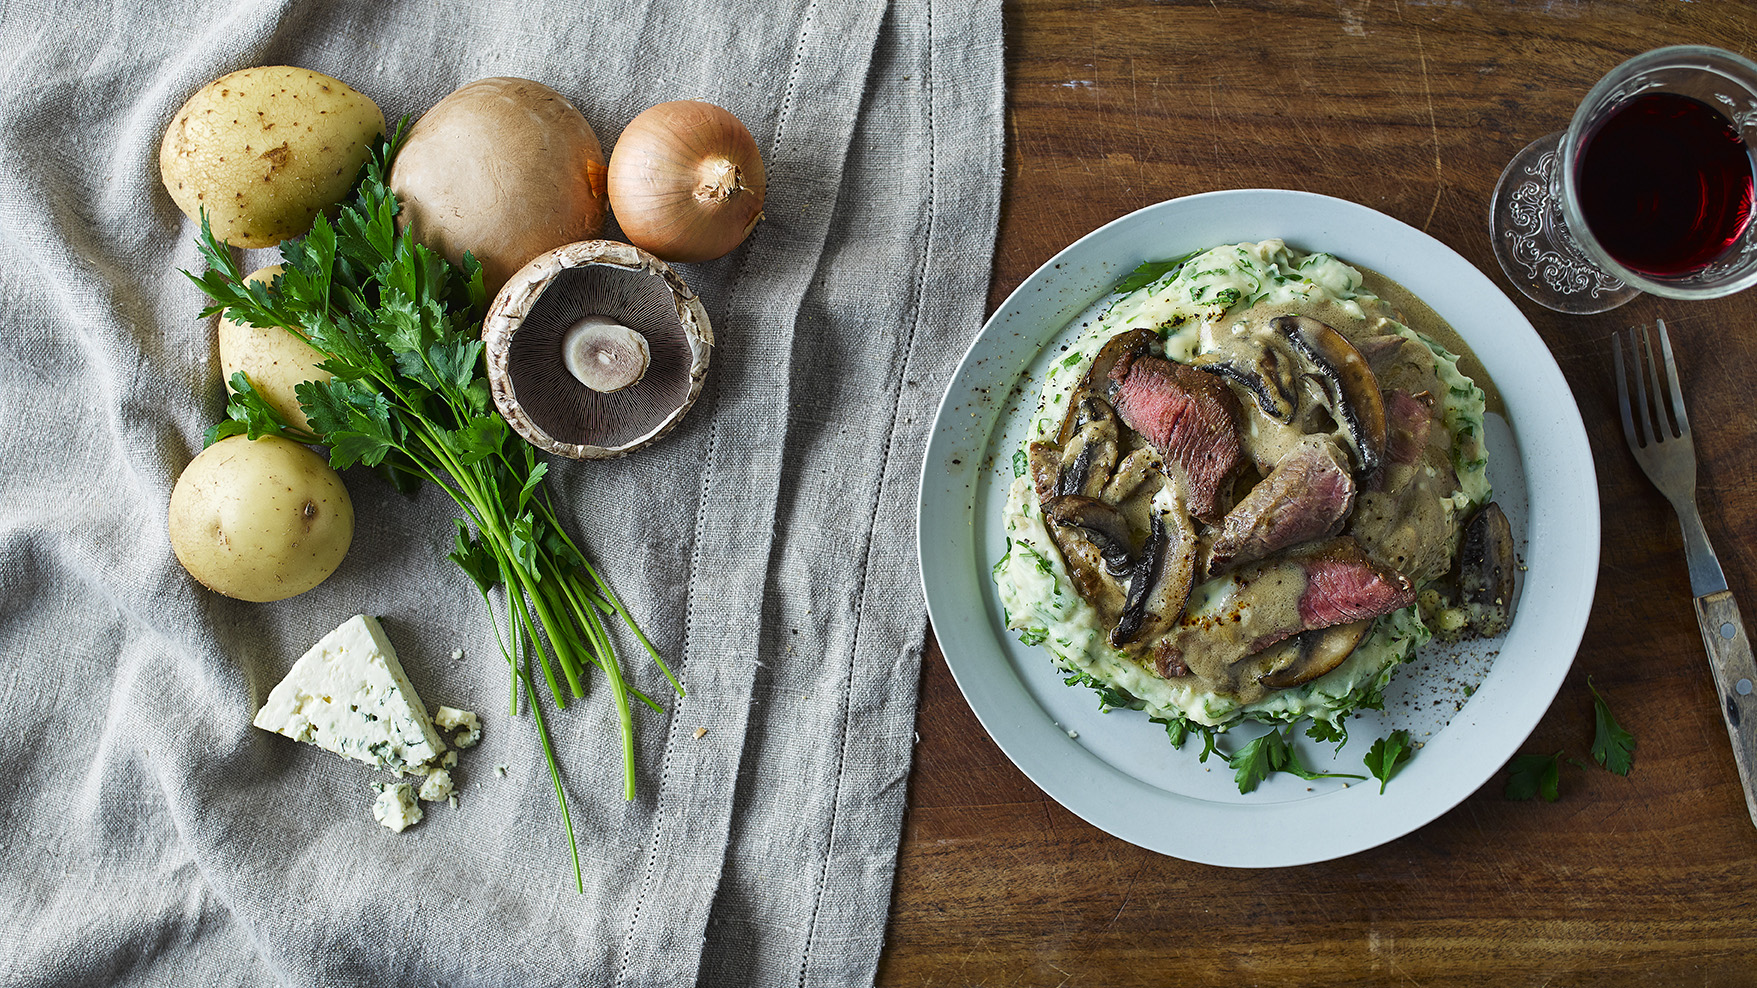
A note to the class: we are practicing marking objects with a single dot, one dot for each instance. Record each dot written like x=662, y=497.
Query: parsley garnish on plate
x=1387, y=755
x=1269, y=754
x=1150, y=272
x=399, y=328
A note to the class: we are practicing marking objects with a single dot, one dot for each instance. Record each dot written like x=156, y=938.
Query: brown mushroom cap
x=503, y=168
x=530, y=320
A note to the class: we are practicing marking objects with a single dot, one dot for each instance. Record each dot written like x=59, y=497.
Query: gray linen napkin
x=152, y=836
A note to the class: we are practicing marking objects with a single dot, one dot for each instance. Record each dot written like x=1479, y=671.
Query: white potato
x=264, y=150
x=260, y=520
x=274, y=360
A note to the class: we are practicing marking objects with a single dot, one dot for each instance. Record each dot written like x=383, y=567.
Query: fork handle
x=1735, y=681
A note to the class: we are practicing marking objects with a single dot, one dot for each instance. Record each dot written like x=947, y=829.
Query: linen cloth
x=150, y=836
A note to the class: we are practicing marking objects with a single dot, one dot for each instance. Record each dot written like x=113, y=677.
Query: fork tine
x=1629, y=433
x=1662, y=423
x=1643, y=412
x=1671, y=375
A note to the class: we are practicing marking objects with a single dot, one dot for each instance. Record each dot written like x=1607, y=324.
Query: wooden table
x=1411, y=109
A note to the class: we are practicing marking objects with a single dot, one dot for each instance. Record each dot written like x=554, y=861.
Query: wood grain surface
x=1412, y=109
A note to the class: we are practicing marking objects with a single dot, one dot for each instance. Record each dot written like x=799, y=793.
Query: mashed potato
x=1191, y=305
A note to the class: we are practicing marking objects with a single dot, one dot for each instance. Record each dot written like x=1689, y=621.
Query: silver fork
x=1663, y=447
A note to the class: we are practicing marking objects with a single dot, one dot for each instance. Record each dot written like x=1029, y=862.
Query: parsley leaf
x=1269, y=754
x=1109, y=697
x=1150, y=272
x=1387, y=756
x=1324, y=731
x=1612, y=747
x=1534, y=775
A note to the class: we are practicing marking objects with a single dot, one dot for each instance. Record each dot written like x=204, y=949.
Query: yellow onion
x=686, y=181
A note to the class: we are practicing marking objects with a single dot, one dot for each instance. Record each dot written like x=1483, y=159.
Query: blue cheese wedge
x=395, y=806
x=348, y=695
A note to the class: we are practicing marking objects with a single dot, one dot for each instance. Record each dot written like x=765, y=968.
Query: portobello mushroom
x=1092, y=449
x=1102, y=524
x=1310, y=654
x=1086, y=567
x=1294, y=366
x=1159, y=584
x=1136, y=469
x=1486, y=566
x=1344, y=375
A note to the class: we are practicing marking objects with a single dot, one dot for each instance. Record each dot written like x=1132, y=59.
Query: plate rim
x=1058, y=768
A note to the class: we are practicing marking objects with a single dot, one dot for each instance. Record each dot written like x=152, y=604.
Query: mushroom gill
x=566, y=341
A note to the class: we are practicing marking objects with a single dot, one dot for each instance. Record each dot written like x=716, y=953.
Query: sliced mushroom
x=1290, y=358
x=1135, y=469
x=1486, y=567
x=1311, y=654
x=1086, y=567
x=1044, y=462
x=1344, y=375
x=1090, y=453
x=526, y=338
x=1266, y=373
x=1159, y=585
x=1102, y=523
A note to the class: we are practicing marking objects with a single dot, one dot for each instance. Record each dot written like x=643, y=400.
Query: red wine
x=1665, y=184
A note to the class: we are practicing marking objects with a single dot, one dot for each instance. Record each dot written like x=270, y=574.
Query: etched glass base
x=1532, y=242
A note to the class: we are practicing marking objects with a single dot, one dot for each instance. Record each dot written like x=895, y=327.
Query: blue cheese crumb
x=451, y=718
x=395, y=806
x=437, y=787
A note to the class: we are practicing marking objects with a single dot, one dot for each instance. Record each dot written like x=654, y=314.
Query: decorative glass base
x=1532, y=242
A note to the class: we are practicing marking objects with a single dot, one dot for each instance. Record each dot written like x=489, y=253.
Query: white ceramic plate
x=1469, y=709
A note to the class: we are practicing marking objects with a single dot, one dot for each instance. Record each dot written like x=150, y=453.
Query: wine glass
x=1648, y=190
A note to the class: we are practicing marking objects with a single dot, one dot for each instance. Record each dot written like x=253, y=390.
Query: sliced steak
x=1307, y=496
x=1190, y=419
x=1247, y=612
x=1344, y=585
x=1410, y=421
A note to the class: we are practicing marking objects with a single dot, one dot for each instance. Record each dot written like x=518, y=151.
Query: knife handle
x=1735, y=681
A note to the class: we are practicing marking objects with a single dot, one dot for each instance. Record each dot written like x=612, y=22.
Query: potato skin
x=260, y=520
x=264, y=150
x=274, y=360
x=503, y=168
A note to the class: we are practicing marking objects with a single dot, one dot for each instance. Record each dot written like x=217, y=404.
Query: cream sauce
x=1193, y=310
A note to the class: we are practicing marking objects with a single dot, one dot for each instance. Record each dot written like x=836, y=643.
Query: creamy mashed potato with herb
x=1257, y=317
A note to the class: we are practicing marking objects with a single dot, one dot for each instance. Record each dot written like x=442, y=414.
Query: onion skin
x=686, y=181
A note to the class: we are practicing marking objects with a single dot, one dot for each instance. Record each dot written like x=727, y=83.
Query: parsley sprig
x=1613, y=748
x=1273, y=753
x=399, y=328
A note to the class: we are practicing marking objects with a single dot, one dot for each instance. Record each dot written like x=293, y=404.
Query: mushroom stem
x=603, y=354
